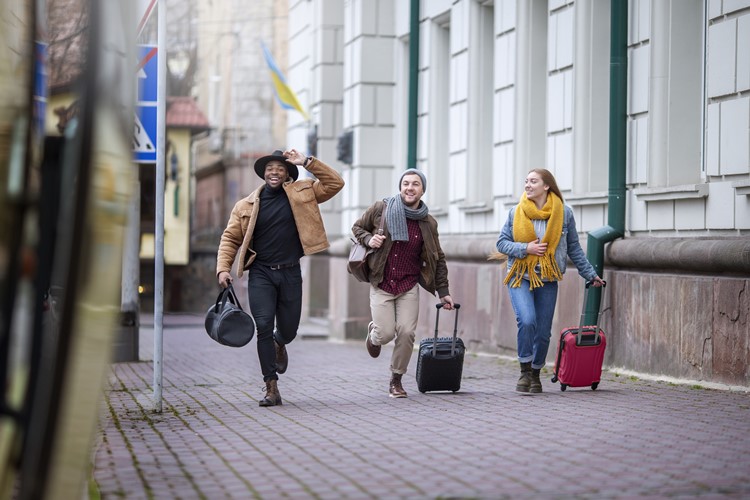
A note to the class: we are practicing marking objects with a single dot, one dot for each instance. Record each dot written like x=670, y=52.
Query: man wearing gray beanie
x=410, y=171
x=407, y=254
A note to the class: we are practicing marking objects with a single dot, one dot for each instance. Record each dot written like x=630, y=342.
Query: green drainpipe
x=411, y=158
x=618, y=86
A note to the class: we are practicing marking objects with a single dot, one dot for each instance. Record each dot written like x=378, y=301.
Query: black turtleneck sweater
x=275, y=237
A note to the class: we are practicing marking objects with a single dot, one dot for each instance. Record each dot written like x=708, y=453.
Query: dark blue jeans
x=275, y=301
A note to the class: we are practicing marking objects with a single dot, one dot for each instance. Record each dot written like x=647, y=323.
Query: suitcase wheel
x=554, y=379
x=563, y=387
x=594, y=386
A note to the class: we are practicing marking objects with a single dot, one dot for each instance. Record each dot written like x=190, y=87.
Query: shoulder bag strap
x=382, y=218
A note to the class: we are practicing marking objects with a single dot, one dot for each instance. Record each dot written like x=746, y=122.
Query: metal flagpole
x=161, y=130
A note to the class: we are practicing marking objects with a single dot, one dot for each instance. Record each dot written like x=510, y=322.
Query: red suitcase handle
x=579, y=335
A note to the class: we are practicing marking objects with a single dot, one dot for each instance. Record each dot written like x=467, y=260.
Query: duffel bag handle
x=224, y=295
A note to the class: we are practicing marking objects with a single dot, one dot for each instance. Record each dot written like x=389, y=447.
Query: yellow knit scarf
x=523, y=231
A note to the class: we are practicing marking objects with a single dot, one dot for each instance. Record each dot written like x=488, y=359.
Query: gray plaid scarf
x=397, y=214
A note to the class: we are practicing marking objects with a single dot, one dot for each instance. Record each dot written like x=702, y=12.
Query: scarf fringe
x=550, y=271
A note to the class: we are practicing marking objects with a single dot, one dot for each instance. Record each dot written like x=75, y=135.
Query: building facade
x=505, y=86
x=233, y=87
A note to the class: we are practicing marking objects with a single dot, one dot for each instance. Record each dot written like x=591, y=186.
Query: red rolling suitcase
x=440, y=360
x=580, y=354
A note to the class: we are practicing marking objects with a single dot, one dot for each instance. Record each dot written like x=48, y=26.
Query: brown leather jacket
x=434, y=274
x=304, y=197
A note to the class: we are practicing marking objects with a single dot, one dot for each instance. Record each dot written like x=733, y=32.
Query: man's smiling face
x=411, y=190
x=276, y=173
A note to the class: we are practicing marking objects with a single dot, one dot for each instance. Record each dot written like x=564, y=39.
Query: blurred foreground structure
x=66, y=181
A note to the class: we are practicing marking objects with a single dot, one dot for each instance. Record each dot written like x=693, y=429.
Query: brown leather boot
x=372, y=349
x=536, y=384
x=282, y=358
x=524, y=382
x=396, y=390
x=272, y=398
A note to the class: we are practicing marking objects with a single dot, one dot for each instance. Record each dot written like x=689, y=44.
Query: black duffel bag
x=227, y=323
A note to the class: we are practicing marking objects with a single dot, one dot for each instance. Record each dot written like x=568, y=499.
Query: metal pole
x=411, y=160
x=161, y=130
x=618, y=115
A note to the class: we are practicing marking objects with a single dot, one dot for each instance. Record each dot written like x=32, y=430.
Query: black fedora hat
x=278, y=155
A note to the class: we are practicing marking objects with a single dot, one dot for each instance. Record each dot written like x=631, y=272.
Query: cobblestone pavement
x=338, y=435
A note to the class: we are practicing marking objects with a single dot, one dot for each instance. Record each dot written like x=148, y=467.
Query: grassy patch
x=94, y=493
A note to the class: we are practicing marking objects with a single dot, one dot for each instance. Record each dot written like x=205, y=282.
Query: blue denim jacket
x=569, y=246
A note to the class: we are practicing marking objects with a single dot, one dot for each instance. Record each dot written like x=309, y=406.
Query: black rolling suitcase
x=441, y=360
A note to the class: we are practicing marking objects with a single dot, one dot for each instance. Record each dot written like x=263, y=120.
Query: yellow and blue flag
x=284, y=94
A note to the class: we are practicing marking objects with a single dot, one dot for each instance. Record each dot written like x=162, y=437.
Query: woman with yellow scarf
x=538, y=237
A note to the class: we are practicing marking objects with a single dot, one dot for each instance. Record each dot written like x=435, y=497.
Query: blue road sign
x=40, y=86
x=144, y=136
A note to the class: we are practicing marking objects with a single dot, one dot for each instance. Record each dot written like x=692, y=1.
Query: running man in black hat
x=269, y=231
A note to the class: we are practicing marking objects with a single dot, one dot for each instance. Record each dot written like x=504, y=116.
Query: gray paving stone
x=338, y=435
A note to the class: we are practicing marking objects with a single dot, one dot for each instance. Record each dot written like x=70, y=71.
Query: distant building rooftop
x=183, y=112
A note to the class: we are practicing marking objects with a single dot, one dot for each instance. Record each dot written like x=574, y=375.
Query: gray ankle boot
x=524, y=382
x=536, y=383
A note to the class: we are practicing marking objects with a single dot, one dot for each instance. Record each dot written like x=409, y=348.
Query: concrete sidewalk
x=338, y=435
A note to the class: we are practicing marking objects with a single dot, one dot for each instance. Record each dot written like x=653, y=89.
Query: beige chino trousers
x=395, y=317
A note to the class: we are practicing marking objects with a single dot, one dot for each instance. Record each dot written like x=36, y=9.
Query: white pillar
x=591, y=96
x=530, y=90
x=582, y=102
x=658, y=105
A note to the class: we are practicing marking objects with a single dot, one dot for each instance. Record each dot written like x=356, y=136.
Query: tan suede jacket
x=304, y=197
x=434, y=274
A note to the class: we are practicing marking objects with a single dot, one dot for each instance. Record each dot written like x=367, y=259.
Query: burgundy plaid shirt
x=404, y=263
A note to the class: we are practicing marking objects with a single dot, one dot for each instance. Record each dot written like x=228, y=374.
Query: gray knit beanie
x=414, y=171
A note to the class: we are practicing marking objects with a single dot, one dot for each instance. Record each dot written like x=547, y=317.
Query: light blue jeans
x=534, y=311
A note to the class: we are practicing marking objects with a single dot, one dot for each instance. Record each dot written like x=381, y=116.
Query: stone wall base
x=686, y=326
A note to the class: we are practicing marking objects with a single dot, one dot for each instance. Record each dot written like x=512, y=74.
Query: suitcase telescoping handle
x=455, y=329
x=586, y=294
